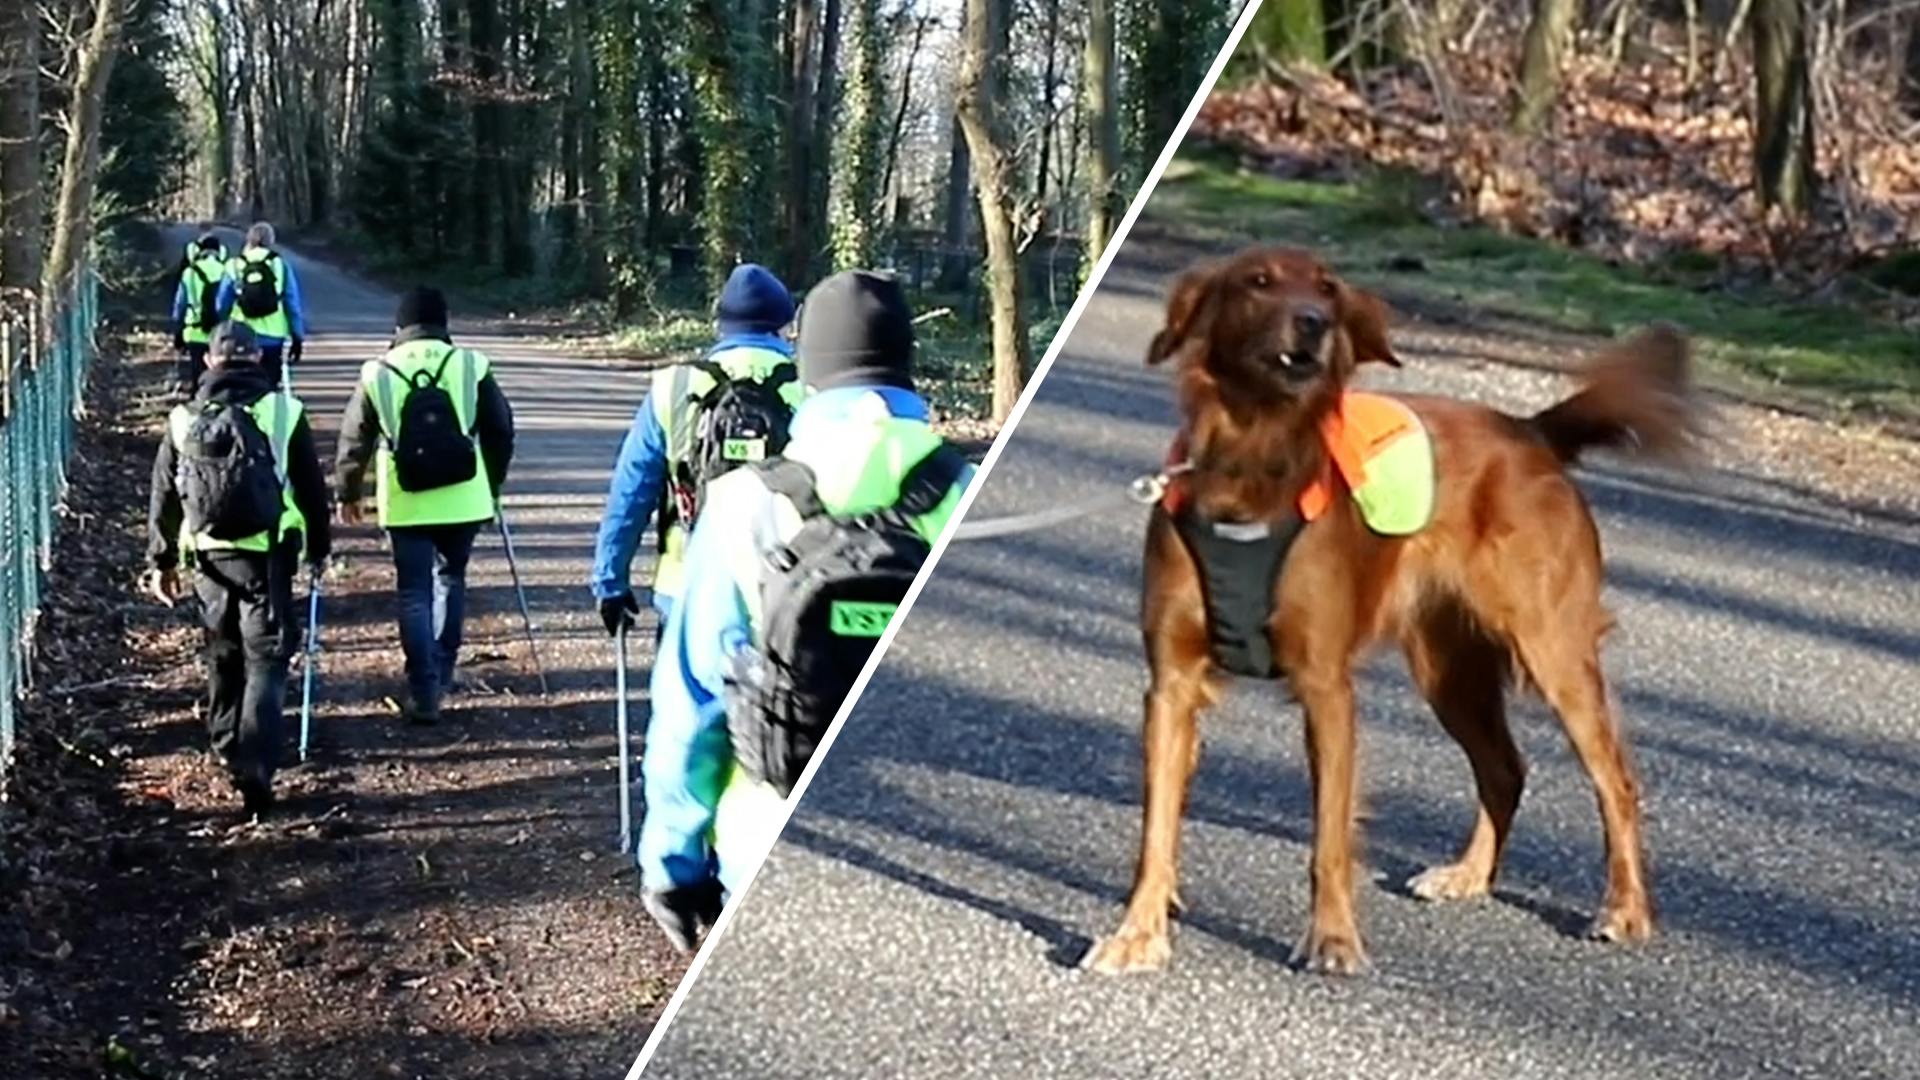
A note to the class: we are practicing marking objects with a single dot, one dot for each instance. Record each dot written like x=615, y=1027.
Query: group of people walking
x=239, y=495
x=790, y=474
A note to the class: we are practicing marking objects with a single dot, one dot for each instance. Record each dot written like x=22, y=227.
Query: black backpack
x=432, y=449
x=208, y=310
x=737, y=422
x=259, y=287
x=826, y=597
x=229, y=482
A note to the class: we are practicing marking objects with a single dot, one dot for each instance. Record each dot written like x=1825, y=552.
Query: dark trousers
x=246, y=605
x=192, y=365
x=430, y=563
x=270, y=361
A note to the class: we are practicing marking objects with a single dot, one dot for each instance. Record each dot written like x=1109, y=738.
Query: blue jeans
x=430, y=562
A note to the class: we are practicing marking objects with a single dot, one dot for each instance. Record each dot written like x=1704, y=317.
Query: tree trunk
x=979, y=110
x=826, y=101
x=21, y=227
x=1102, y=92
x=958, y=260
x=803, y=76
x=1549, y=37
x=856, y=235
x=1292, y=31
x=1048, y=121
x=1783, y=131
x=73, y=217
x=898, y=127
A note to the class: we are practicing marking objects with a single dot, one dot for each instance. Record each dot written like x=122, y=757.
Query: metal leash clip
x=1147, y=490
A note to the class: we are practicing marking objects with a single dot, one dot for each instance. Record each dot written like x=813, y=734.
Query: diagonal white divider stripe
x=820, y=752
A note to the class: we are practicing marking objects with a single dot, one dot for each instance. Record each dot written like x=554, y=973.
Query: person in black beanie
x=438, y=479
x=861, y=451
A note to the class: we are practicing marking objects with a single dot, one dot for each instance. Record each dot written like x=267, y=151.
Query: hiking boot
x=256, y=797
x=419, y=715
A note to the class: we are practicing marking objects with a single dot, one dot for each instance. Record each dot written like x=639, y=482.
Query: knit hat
x=423, y=305
x=234, y=341
x=209, y=242
x=856, y=331
x=754, y=301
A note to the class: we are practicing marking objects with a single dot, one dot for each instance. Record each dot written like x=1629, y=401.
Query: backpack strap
x=792, y=479
x=783, y=373
x=712, y=371
x=926, y=485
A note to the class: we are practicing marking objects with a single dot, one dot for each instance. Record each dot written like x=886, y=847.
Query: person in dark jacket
x=432, y=531
x=245, y=586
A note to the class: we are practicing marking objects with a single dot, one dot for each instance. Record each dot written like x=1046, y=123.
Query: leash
x=1141, y=491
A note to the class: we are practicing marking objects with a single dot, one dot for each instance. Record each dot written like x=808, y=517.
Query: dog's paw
x=1622, y=924
x=1129, y=950
x=1330, y=954
x=1454, y=881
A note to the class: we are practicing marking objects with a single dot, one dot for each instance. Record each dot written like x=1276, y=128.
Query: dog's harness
x=1376, y=448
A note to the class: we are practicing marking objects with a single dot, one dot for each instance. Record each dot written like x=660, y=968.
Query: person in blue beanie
x=655, y=475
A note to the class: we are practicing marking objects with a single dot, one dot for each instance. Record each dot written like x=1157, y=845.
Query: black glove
x=682, y=912
x=618, y=612
x=294, y=350
x=180, y=340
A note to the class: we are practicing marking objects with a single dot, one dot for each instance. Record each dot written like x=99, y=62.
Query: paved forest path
x=431, y=903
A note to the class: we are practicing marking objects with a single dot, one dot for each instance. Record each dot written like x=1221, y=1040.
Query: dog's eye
x=1328, y=288
x=1260, y=279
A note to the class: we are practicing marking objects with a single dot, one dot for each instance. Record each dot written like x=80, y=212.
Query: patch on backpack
x=862, y=619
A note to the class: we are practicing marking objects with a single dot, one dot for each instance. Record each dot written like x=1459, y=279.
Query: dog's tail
x=1637, y=395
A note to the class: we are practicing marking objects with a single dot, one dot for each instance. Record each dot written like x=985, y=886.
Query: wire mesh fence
x=43, y=379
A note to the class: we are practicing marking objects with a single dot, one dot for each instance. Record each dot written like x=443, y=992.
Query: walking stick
x=526, y=617
x=313, y=656
x=626, y=774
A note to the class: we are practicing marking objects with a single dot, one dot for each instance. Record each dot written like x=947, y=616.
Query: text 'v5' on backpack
x=827, y=595
x=228, y=478
x=432, y=449
x=259, y=292
x=738, y=421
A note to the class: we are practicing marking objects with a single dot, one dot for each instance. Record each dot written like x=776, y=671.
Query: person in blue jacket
x=282, y=330
x=754, y=308
x=862, y=432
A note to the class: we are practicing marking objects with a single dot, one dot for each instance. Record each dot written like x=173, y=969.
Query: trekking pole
x=620, y=714
x=313, y=656
x=513, y=567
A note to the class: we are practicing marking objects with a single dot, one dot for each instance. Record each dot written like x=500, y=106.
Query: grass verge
x=1748, y=338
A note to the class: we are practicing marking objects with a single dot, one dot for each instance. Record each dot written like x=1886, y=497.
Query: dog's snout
x=1309, y=327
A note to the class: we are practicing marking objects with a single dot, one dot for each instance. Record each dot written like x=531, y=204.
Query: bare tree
x=20, y=209
x=1783, y=131
x=73, y=215
x=1549, y=37
x=1102, y=94
x=979, y=110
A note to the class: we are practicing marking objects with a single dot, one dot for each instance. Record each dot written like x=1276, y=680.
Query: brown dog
x=1504, y=581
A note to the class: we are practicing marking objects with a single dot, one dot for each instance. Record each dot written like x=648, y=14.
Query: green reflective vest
x=470, y=500
x=212, y=267
x=274, y=325
x=674, y=389
x=857, y=468
x=277, y=414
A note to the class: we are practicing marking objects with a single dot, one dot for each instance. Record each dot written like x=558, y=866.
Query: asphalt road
x=975, y=825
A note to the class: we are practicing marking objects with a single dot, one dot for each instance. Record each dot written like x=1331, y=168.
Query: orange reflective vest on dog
x=1381, y=452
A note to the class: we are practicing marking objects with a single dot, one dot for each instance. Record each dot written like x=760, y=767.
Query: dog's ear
x=1364, y=317
x=1182, y=306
